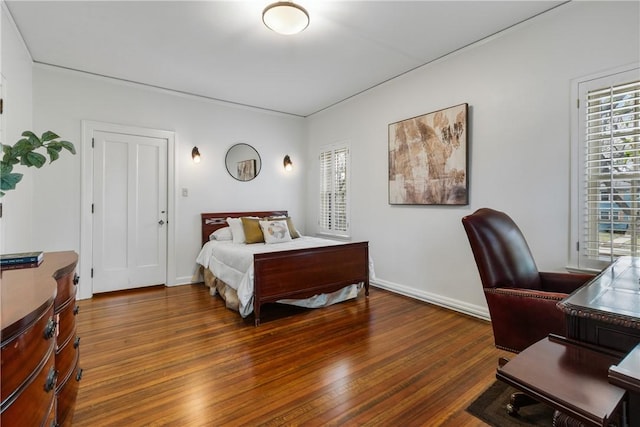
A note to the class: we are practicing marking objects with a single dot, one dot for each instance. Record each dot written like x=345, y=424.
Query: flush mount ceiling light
x=285, y=17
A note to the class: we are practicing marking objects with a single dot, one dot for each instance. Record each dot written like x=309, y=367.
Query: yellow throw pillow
x=252, y=230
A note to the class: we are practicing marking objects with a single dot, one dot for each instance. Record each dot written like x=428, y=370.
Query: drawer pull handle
x=76, y=279
x=79, y=374
x=76, y=309
x=52, y=377
x=50, y=329
x=76, y=343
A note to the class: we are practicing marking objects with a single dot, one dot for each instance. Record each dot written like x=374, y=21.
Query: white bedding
x=233, y=264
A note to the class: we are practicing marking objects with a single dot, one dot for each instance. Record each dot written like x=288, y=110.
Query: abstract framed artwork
x=428, y=159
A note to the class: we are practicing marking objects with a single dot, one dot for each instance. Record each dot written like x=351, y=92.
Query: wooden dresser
x=40, y=349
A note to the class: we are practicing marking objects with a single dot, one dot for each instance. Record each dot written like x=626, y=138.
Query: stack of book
x=21, y=260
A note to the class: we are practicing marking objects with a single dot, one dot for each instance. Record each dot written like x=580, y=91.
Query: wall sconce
x=288, y=164
x=195, y=155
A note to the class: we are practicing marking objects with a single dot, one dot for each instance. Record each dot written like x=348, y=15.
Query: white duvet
x=233, y=264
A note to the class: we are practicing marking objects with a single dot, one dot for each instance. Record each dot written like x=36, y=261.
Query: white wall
x=517, y=85
x=62, y=99
x=16, y=225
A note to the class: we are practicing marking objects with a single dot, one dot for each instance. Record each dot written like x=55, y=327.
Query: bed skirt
x=230, y=296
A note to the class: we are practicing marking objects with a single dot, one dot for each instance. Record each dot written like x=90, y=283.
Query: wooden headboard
x=210, y=222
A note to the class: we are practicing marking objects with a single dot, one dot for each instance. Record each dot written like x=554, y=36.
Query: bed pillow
x=252, y=230
x=292, y=229
x=275, y=231
x=237, y=231
x=223, y=233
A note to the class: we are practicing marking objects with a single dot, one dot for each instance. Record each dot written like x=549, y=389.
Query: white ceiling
x=222, y=50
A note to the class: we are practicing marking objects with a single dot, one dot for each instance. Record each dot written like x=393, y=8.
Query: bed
x=291, y=275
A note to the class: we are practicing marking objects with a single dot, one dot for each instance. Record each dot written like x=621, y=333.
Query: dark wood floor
x=176, y=356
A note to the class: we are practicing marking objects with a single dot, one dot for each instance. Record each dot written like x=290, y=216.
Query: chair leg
x=519, y=400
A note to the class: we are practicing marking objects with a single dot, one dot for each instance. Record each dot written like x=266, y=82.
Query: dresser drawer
x=24, y=354
x=31, y=405
x=67, y=280
x=67, y=359
x=66, y=393
x=66, y=318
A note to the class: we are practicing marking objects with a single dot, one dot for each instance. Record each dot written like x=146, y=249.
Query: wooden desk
x=568, y=377
x=587, y=375
x=626, y=374
x=606, y=311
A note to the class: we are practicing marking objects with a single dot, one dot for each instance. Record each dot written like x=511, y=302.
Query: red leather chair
x=521, y=300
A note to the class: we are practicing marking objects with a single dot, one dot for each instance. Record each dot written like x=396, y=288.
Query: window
x=608, y=176
x=334, y=190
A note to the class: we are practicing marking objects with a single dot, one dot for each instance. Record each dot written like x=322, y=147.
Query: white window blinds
x=609, y=117
x=334, y=190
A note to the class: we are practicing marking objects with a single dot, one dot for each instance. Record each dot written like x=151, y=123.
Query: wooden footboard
x=303, y=273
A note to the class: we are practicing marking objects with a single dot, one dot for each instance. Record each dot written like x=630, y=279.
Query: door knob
x=161, y=222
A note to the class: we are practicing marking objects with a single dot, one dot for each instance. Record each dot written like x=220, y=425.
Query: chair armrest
x=525, y=296
x=563, y=282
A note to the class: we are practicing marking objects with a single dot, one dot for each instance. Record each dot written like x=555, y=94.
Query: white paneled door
x=129, y=211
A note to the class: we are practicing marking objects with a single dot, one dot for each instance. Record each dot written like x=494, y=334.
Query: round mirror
x=243, y=162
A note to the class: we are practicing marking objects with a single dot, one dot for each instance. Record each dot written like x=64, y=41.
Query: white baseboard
x=450, y=303
x=185, y=280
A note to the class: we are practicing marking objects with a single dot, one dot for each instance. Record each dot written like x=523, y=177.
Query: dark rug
x=490, y=407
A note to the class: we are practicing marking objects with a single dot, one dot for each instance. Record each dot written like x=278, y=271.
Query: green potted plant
x=25, y=152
